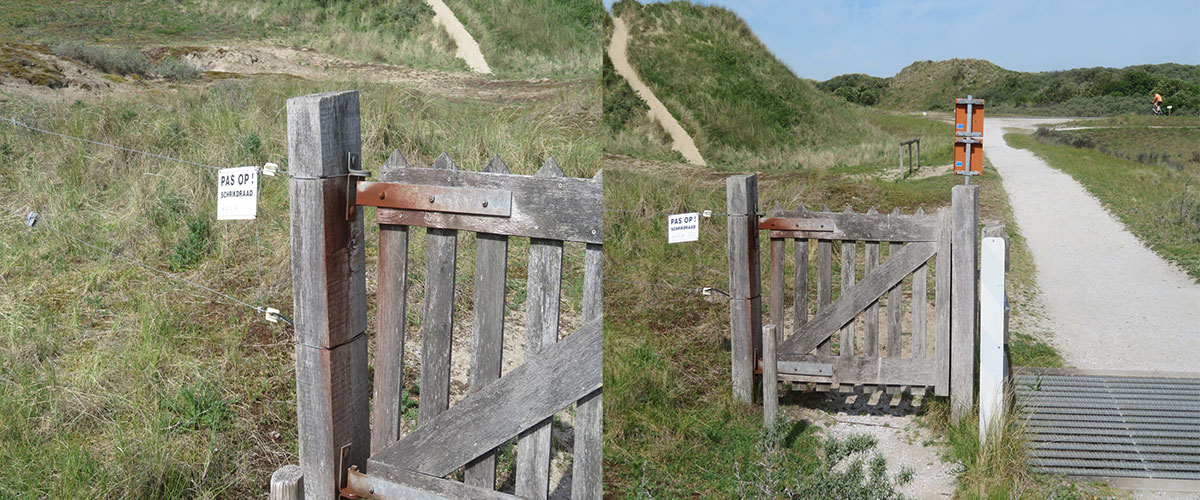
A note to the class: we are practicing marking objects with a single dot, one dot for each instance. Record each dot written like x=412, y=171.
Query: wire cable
x=34, y=219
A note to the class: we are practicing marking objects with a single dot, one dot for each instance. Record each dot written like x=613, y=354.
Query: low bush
x=120, y=61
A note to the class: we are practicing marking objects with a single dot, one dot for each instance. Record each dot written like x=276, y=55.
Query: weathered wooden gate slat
x=487, y=343
x=861, y=370
x=588, y=466
x=400, y=484
x=537, y=205
x=850, y=304
x=541, y=330
x=824, y=287
x=846, y=347
x=391, y=316
x=941, y=299
x=895, y=310
x=514, y=403
x=437, y=318
x=871, y=320
x=853, y=226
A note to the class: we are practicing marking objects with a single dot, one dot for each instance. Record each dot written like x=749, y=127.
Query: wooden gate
x=338, y=455
x=845, y=341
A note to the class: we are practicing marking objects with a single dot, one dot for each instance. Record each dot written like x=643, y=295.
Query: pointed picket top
x=825, y=208
x=920, y=211
x=550, y=169
x=444, y=162
x=872, y=211
x=397, y=160
x=800, y=208
x=599, y=176
x=848, y=210
x=896, y=211
x=496, y=166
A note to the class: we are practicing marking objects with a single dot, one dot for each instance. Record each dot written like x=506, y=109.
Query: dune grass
x=742, y=106
x=118, y=383
x=536, y=38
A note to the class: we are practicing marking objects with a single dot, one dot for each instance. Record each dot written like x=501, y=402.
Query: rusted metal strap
x=459, y=200
x=796, y=224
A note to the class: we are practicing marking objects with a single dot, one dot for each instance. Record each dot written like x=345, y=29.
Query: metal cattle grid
x=1134, y=429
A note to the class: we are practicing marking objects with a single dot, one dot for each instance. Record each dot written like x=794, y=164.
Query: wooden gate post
x=745, y=299
x=329, y=290
x=964, y=251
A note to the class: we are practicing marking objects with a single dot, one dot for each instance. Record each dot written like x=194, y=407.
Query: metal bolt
x=382, y=195
x=371, y=490
x=485, y=203
x=593, y=232
x=431, y=199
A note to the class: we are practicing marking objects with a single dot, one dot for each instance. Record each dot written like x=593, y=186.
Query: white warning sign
x=683, y=227
x=237, y=193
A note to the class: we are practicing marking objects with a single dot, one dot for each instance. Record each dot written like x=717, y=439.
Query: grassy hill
x=930, y=85
x=740, y=104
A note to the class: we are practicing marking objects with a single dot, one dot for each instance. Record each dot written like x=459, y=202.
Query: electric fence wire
x=703, y=290
x=26, y=126
x=34, y=219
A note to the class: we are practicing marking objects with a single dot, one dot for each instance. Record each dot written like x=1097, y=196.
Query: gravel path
x=467, y=49
x=1113, y=303
x=680, y=139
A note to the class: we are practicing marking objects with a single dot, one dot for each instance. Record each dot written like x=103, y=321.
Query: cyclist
x=1157, y=104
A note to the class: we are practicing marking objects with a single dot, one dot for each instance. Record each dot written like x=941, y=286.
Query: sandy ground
x=1111, y=303
x=680, y=140
x=467, y=49
x=890, y=420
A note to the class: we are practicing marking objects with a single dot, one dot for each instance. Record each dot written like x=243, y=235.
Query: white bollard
x=991, y=337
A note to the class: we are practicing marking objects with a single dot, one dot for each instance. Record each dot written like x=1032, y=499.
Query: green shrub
x=193, y=246
x=108, y=60
x=125, y=61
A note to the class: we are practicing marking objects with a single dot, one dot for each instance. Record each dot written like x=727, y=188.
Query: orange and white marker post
x=968, y=137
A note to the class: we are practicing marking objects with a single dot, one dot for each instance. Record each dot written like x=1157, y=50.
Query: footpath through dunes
x=467, y=49
x=617, y=52
x=1112, y=302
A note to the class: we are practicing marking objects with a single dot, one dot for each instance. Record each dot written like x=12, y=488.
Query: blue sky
x=820, y=39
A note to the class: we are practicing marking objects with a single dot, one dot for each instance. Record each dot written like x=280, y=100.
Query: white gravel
x=1112, y=303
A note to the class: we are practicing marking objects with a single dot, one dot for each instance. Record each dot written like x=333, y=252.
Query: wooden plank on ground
x=539, y=204
x=518, y=401
x=487, y=341
x=544, y=291
x=400, y=484
x=850, y=304
x=437, y=318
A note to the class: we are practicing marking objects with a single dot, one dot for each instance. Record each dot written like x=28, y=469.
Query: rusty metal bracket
x=354, y=175
x=344, y=470
x=786, y=224
x=459, y=200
